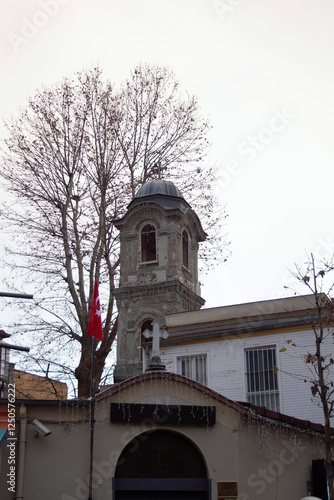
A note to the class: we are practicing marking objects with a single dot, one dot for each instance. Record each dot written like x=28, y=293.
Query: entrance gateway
x=161, y=465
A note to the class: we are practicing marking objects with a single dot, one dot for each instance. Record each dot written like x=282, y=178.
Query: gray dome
x=160, y=192
x=159, y=186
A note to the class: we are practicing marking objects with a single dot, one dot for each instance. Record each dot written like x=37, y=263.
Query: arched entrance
x=161, y=465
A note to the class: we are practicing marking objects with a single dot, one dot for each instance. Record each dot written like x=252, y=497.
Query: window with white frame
x=261, y=377
x=193, y=367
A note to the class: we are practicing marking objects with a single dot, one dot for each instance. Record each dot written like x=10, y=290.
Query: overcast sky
x=264, y=73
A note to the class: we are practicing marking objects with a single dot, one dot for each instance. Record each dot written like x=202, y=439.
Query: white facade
x=226, y=365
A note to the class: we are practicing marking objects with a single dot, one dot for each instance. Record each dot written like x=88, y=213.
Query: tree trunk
x=323, y=389
x=329, y=469
x=83, y=372
x=328, y=446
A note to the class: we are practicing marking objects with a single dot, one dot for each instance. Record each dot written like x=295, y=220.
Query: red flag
x=95, y=324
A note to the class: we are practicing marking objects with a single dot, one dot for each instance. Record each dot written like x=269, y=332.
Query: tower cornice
x=144, y=291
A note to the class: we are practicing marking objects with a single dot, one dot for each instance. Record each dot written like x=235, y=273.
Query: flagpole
x=95, y=330
x=92, y=422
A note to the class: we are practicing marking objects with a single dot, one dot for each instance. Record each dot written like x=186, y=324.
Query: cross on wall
x=156, y=334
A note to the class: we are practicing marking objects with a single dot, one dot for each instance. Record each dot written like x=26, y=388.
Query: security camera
x=40, y=428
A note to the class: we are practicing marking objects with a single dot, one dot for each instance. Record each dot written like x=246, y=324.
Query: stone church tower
x=158, y=270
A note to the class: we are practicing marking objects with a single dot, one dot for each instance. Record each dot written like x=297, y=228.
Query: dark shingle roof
x=160, y=192
x=159, y=186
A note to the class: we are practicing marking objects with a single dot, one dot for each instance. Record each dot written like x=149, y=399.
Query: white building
x=250, y=352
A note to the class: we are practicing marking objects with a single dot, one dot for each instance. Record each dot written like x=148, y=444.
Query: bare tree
x=72, y=160
x=321, y=366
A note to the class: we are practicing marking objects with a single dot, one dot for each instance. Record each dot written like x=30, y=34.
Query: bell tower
x=159, y=237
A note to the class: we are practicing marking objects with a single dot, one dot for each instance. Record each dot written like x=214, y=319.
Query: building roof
x=238, y=312
x=168, y=197
x=226, y=322
x=160, y=192
x=159, y=186
x=221, y=322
